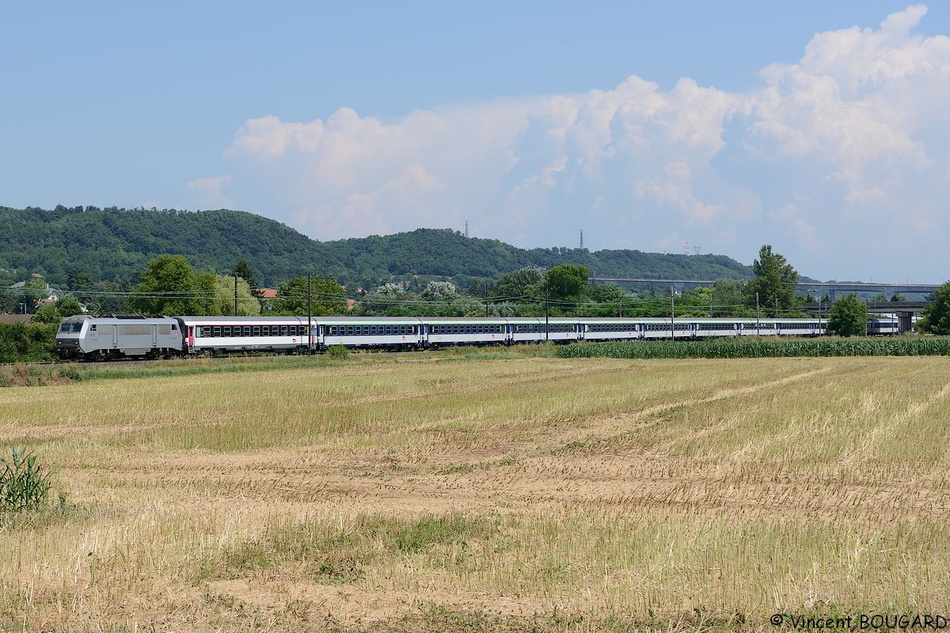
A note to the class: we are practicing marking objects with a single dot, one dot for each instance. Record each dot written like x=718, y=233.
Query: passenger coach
x=211, y=335
x=389, y=332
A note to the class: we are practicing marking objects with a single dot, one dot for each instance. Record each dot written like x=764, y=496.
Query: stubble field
x=443, y=493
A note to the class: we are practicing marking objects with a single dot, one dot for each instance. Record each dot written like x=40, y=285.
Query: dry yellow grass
x=412, y=493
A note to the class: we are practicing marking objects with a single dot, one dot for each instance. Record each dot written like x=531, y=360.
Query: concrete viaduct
x=904, y=310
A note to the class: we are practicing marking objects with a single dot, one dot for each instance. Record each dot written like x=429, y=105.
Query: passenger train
x=131, y=336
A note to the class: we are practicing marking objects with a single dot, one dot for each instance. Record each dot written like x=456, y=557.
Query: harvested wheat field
x=444, y=493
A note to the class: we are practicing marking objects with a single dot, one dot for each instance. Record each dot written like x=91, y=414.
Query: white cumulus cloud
x=839, y=159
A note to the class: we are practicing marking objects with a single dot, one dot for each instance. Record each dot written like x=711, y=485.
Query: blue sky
x=820, y=128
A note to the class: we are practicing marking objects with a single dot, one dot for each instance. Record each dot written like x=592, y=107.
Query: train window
x=217, y=330
x=256, y=331
x=246, y=330
x=226, y=330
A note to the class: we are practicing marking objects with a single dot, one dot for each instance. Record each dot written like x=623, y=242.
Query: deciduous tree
x=327, y=296
x=849, y=317
x=775, y=284
x=936, y=318
x=171, y=286
x=567, y=282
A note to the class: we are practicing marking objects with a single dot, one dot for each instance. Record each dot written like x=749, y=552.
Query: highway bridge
x=820, y=288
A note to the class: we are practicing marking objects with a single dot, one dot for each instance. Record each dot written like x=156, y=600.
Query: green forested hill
x=116, y=243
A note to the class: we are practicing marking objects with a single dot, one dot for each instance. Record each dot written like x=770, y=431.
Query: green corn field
x=761, y=348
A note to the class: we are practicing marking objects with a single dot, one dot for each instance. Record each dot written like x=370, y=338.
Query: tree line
x=169, y=284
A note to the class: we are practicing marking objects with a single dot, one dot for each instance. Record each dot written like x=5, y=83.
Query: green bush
x=21, y=342
x=337, y=351
x=24, y=486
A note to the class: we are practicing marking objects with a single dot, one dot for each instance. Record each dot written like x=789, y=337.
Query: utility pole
x=672, y=314
x=757, y=329
x=620, y=311
x=235, y=295
x=546, y=314
x=309, y=312
x=486, y=298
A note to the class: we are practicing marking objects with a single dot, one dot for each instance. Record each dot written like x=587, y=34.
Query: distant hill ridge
x=112, y=243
